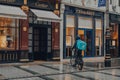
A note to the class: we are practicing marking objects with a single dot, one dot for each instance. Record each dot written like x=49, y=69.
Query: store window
x=98, y=38
x=114, y=40
x=69, y=34
x=9, y=34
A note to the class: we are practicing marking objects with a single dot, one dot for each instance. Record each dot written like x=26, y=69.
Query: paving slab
x=40, y=69
x=31, y=78
x=59, y=71
x=13, y=72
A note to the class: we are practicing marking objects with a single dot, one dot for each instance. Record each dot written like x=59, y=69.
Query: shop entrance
x=87, y=36
x=41, y=43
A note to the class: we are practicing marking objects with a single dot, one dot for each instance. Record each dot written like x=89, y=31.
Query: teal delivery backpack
x=81, y=45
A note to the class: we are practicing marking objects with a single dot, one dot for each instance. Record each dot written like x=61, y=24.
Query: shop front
x=89, y=25
x=10, y=32
x=29, y=30
x=114, y=38
x=43, y=31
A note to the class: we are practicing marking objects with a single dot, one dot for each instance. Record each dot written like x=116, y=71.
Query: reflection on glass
x=68, y=40
x=70, y=28
x=69, y=36
x=98, y=37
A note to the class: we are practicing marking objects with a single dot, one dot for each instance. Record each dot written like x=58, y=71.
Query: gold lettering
x=41, y=5
x=85, y=12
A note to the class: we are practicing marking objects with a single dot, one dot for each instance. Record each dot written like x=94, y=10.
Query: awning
x=12, y=12
x=46, y=15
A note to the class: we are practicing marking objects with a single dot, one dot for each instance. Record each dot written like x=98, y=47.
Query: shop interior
x=8, y=34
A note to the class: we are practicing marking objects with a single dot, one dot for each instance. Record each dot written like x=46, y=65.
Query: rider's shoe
x=80, y=69
x=74, y=65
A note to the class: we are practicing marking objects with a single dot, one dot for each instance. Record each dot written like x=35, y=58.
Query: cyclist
x=77, y=52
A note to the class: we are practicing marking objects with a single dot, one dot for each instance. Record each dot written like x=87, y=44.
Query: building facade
x=88, y=24
x=29, y=30
x=86, y=19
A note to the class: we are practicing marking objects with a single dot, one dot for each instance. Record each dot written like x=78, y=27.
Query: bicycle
x=79, y=60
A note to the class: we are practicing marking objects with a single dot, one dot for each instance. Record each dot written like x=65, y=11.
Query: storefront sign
x=115, y=18
x=101, y=3
x=85, y=12
x=39, y=4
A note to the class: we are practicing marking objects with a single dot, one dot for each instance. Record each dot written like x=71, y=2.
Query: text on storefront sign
x=41, y=5
x=85, y=12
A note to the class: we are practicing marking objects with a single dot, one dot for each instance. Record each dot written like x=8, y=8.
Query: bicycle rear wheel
x=80, y=64
x=72, y=59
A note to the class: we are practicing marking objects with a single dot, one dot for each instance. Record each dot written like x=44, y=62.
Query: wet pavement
x=60, y=71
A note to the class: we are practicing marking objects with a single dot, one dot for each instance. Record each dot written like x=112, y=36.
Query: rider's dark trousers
x=78, y=56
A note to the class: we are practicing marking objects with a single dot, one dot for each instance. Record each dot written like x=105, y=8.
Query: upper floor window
x=110, y=1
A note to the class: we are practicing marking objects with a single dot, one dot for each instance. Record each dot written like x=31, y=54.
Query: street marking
x=33, y=72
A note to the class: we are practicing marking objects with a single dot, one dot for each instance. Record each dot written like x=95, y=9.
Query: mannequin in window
x=9, y=38
x=9, y=41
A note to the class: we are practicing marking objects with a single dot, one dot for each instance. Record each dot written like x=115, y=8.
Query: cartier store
x=29, y=30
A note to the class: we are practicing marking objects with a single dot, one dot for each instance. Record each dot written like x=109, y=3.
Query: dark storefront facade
x=32, y=36
x=43, y=31
x=89, y=25
x=115, y=35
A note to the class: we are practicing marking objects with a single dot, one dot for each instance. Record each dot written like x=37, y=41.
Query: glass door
x=40, y=43
x=87, y=36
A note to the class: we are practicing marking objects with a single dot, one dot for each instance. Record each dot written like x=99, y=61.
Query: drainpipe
x=61, y=31
x=24, y=27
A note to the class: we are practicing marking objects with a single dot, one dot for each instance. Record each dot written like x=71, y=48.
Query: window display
x=69, y=36
x=8, y=33
x=68, y=40
x=114, y=40
x=70, y=32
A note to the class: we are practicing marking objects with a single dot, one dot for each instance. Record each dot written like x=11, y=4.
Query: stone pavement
x=58, y=71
